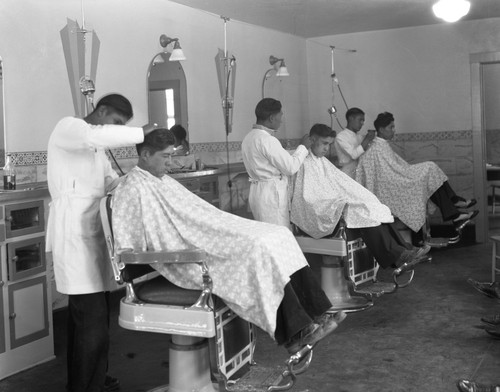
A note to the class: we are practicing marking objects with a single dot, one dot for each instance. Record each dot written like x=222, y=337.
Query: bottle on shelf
x=9, y=174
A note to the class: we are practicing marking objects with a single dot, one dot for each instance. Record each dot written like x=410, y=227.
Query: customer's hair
x=352, y=112
x=267, y=107
x=321, y=130
x=383, y=120
x=157, y=140
x=118, y=103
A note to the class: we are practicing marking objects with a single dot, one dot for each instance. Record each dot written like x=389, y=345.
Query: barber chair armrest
x=129, y=256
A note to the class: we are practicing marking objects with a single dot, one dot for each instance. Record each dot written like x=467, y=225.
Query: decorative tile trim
x=40, y=157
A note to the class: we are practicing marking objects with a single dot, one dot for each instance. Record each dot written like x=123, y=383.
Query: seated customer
x=257, y=268
x=322, y=194
x=406, y=188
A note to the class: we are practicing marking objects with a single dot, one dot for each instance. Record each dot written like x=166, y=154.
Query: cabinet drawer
x=26, y=258
x=24, y=218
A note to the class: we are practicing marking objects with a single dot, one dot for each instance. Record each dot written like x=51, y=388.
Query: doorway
x=485, y=92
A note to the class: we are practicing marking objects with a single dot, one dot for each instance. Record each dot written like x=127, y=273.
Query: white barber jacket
x=79, y=175
x=269, y=165
x=349, y=149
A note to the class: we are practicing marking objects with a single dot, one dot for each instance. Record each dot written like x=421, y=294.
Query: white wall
x=37, y=92
x=420, y=74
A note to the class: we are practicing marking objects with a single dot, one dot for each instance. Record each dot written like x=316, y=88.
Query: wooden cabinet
x=26, y=332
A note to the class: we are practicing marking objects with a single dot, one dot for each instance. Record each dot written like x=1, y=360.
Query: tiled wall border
x=40, y=157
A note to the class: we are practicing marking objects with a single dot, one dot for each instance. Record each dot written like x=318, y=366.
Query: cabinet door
x=2, y=318
x=28, y=311
x=26, y=258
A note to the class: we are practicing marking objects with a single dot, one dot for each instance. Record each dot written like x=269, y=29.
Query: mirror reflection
x=167, y=99
x=2, y=123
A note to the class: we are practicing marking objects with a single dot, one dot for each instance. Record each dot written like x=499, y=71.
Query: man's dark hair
x=321, y=130
x=352, y=112
x=267, y=107
x=157, y=140
x=383, y=120
x=117, y=103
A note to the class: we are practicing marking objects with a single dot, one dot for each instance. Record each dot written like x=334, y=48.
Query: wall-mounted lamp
x=451, y=10
x=177, y=53
x=278, y=66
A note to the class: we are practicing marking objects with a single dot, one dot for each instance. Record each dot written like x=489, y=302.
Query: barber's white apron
x=268, y=200
x=76, y=240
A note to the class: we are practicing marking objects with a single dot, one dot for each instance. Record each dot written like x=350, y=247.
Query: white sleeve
x=75, y=134
x=281, y=159
x=348, y=148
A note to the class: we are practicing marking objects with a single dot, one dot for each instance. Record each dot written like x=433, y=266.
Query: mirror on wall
x=2, y=120
x=167, y=98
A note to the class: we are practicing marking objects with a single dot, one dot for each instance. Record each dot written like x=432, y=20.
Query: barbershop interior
x=212, y=79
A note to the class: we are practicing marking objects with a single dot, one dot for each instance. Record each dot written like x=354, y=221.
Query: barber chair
x=348, y=270
x=211, y=348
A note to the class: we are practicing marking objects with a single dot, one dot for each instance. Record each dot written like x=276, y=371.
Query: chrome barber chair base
x=439, y=242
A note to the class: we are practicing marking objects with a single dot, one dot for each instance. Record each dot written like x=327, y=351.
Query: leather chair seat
x=160, y=291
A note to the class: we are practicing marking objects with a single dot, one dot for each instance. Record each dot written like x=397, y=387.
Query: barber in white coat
x=269, y=165
x=79, y=175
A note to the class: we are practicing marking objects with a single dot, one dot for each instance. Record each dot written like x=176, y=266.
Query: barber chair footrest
x=437, y=242
x=376, y=289
x=351, y=304
x=258, y=379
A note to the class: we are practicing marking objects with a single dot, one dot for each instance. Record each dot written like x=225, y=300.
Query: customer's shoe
x=422, y=251
x=407, y=261
x=466, y=203
x=464, y=218
x=494, y=332
x=492, y=320
x=111, y=384
x=489, y=289
x=472, y=386
x=313, y=335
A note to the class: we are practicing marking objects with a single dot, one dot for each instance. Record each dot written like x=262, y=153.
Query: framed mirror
x=167, y=98
x=2, y=118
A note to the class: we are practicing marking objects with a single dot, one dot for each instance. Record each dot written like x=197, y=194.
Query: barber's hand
x=371, y=134
x=306, y=141
x=148, y=128
x=368, y=139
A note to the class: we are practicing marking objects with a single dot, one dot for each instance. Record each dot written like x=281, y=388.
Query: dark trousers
x=88, y=341
x=385, y=243
x=445, y=198
x=303, y=301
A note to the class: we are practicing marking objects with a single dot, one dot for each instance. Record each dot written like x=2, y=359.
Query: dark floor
x=421, y=338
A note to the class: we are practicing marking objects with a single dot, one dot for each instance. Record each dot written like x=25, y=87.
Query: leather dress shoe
x=312, y=334
x=494, y=332
x=489, y=289
x=472, y=386
x=492, y=320
x=111, y=384
x=466, y=203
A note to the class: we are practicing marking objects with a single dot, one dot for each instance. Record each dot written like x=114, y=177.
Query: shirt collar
x=259, y=126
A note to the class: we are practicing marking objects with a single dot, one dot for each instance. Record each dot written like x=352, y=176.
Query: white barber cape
x=322, y=194
x=404, y=188
x=269, y=165
x=249, y=262
x=348, y=146
x=78, y=175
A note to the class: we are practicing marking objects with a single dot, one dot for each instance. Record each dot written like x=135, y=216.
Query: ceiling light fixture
x=451, y=10
x=177, y=53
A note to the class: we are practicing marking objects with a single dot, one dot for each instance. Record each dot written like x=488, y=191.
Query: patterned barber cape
x=404, y=188
x=250, y=262
x=322, y=194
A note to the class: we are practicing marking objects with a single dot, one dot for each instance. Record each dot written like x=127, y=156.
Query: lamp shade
x=451, y=10
x=177, y=53
x=282, y=70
